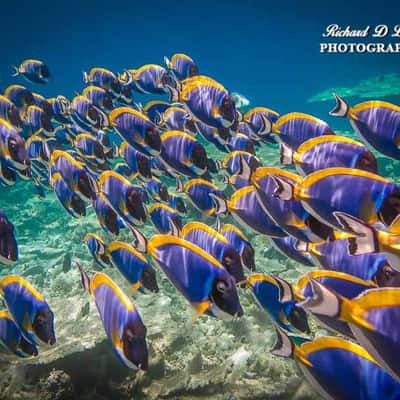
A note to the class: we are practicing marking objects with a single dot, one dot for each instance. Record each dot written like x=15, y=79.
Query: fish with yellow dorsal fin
x=337, y=368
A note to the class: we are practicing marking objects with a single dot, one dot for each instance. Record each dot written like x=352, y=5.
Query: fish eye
x=221, y=287
x=12, y=144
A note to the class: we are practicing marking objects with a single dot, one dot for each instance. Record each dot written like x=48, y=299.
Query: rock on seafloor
x=201, y=359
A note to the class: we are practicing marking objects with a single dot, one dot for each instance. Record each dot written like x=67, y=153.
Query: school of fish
x=327, y=208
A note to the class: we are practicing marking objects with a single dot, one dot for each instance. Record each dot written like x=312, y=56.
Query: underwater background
x=267, y=52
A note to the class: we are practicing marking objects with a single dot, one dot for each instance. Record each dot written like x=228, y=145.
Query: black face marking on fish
x=163, y=192
x=134, y=344
x=367, y=162
x=144, y=168
x=298, y=318
x=180, y=206
x=99, y=151
x=152, y=138
x=193, y=70
x=14, y=117
x=231, y=261
x=134, y=204
x=390, y=208
x=28, y=98
x=45, y=122
x=85, y=186
x=227, y=109
x=224, y=133
x=149, y=279
x=44, y=71
x=16, y=148
x=224, y=296
x=43, y=326
x=78, y=205
x=107, y=102
x=199, y=156
x=248, y=258
x=387, y=277
x=111, y=221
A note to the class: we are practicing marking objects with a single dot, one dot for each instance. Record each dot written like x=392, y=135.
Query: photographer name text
x=365, y=39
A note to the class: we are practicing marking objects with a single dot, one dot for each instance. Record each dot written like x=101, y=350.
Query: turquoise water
x=270, y=55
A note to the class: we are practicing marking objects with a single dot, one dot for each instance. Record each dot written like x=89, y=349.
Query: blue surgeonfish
x=10, y=112
x=216, y=245
x=74, y=174
x=121, y=320
x=177, y=119
x=295, y=128
x=291, y=215
x=36, y=121
x=372, y=317
x=149, y=78
x=8, y=243
x=377, y=122
x=334, y=255
x=12, y=147
x=29, y=310
x=138, y=162
x=198, y=276
x=155, y=108
x=165, y=218
x=182, y=66
x=346, y=285
x=98, y=97
x=293, y=248
x=369, y=240
x=247, y=210
x=183, y=154
x=70, y=200
x=337, y=368
x=88, y=116
x=207, y=100
x=103, y=78
x=97, y=248
x=276, y=297
x=198, y=191
x=260, y=120
x=19, y=95
x=126, y=199
x=241, y=243
x=34, y=71
x=136, y=129
x=133, y=266
x=373, y=198
x=11, y=338
x=107, y=217
x=61, y=109
x=157, y=190
x=329, y=151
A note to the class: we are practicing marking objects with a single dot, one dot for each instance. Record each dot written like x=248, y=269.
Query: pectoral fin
x=201, y=308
